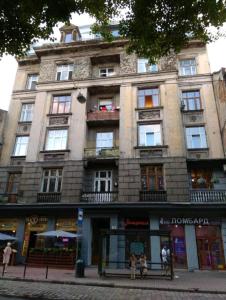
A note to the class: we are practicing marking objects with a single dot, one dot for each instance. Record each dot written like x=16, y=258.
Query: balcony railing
x=48, y=197
x=101, y=152
x=8, y=198
x=153, y=196
x=97, y=116
x=207, y=196
x=99, y=197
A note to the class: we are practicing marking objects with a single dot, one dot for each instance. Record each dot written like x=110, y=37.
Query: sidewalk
x=198, y=281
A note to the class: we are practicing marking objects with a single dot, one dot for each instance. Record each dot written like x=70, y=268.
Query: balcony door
x=103, y=181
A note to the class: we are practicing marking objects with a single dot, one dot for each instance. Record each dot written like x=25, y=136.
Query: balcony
x=153, y=196
x=8, y=198
x=99, y=197
x=101, y=153
x=208, y=196
x=97, y=118
x=48, y=197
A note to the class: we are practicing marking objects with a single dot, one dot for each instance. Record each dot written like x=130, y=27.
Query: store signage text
x=135, y=222
x=185, y=221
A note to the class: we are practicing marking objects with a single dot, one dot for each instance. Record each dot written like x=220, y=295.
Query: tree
x=153, y=27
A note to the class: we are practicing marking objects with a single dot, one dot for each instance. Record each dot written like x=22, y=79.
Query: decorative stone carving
x=54, y=156
x=151, y=153
x=58, y=120
x=193, y=117
x=82, y=68
x=23, y=128
x=128, y=63
x=149, y=115
x=47, y=71
x=197, y=154
x=168, y=63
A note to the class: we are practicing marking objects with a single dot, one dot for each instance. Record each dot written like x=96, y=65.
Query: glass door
x=103, y=185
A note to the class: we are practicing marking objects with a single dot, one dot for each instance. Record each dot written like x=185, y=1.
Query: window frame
x=49, y=177
x=182, y=70
x=147, y=171
x=30, y=82
x=31, y=111
x=185, y=100
x=69, y=68
x=112, y=140
x=156, y=143
x=107, y=74
x=149, y=68
x=139, y=96
x=202, y=137
x=46, y=146
x=58, y=104
x=19, y=145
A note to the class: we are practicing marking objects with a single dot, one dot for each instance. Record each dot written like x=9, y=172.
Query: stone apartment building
x=135, y=145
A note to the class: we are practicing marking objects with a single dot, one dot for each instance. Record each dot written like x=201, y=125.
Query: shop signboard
x=189, y=221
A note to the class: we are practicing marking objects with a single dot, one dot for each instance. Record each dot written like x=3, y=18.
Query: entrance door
x=97, y=225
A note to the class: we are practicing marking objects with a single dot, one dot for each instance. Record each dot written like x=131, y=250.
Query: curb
x=112, y=285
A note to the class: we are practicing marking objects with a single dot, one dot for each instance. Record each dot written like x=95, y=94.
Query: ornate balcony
x=101, y=153
x=48, y=197
x=100, y=117
x=208, y=196
x=99, y=197
x=153, y=196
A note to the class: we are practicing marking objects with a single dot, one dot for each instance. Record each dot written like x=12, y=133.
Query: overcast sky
x=8, y=65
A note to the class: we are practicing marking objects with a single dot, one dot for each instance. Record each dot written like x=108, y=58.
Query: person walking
x=143, y=266
x=165, y=254
x=133, y=265
x=6, y=255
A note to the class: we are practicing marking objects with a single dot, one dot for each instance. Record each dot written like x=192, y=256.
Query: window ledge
x=18, y=156
x=198, y=149
x=24, y=122
x=192, y=111
x=149, y=108
x=59, y=115
x=55, y=151
x=151, y=147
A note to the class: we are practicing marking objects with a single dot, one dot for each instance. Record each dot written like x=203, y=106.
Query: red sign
x=128, y=222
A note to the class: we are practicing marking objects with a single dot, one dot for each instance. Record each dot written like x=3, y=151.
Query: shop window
x=152, y=178
x=201, y=179
x=148, y=98
x=20, y=148
x=106, y=72
x=61, y=104
x=32, y=80
x=144, y=66
x=56, y=139
x=196, y=137
x=106, y=105
x=26, y=112
x=187, y=67
x=150, y=135
x=191, y=100
x=51, y=181
x=64, y=72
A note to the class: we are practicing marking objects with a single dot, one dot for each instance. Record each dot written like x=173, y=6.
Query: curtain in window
x=56, y=140
x=104, y=140
x=150, y=135
x=196, y=137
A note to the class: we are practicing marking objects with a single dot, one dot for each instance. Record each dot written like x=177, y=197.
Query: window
x=104, y=140
x=51, y=181
x=150, y=135
x=196, y=137
x=105, y=105
x=106, y=72
x=56, y=139
x=103, y=181
x=32, y=80
x=148, y=97
x=26, y=112
x=152, y=178
x=68, y=37
x=20, y=148
x=188, y=67
x=144, y=66
x=64, y=72
x=61, y=104
x=201, y=178
x=13, y=183
x=191, y=100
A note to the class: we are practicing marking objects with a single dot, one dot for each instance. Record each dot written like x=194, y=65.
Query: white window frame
x=26, y=114
x=195, y=131
x=145, y=129
x=21, y=144
x=64, y=72
x=59, y=99
x=107, y=143
x=143, y=66
x=186, y=99
x=105, y=72
x=107, y=180
x=191, y=67
x=32, y=80
x=70, y=35
x=56, y=139
x=49, y=177
x=145, y=92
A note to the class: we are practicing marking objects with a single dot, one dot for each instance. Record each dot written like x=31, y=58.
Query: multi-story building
x=135, y=145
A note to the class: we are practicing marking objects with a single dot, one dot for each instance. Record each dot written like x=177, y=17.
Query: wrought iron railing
x=101, y=152
x=48, y=197
x=153, y=196
x=206, y=196
x=99, y=197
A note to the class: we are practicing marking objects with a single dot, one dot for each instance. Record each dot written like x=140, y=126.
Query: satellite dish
x=81, y=98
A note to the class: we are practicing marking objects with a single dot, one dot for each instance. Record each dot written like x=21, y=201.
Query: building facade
x=135, y=145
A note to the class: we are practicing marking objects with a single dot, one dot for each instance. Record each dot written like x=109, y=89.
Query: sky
x=8, y=64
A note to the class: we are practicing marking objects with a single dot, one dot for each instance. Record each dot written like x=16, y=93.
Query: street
x=35, y=290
